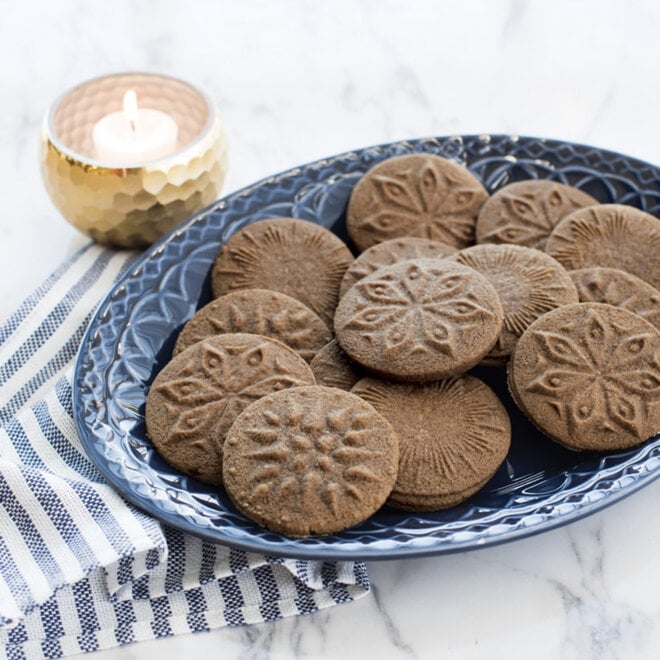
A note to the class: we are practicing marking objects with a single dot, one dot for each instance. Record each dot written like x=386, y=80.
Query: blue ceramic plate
x=540, y=486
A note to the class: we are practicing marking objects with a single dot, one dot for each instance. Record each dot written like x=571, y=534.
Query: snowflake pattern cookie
x=392, y=252
x=419, y=320
x=526, y=212
x=196, y=397
x=588, y=375
x=620, y=289
x=419, y=195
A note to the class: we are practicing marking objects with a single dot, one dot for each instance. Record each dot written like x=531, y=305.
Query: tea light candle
x=135, y=135
x=127, y=178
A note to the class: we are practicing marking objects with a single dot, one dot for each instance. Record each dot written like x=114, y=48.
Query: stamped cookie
x=333, y=368
x=296, y=257
x=528, y=282
x=453, y=436
x=419, y=320
x=311, y=460
x=415, y=195
x=610, y=236
x=588, y=375
x=526, y=212
x=258, y=312
x=616, y=287
x=196, y=397
x=392, y=252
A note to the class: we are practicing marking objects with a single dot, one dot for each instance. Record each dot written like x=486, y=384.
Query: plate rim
x=361, y=551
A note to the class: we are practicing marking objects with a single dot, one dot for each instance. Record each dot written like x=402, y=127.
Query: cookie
x=610, y=236
x=259, y=312
x=526, y=212
x=620, y=289
x=528, y=282
x=296, y=257
x=333, y=368
x=196, y=397
x=588, y=376
x=419, y=320
x=392, y=252
x=311, y=460
x=415, y=195
x=453, y=436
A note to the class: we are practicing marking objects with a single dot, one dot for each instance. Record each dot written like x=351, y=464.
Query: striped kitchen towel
x=80, y=568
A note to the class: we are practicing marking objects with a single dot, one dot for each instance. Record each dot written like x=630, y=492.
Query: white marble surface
x=299, y=80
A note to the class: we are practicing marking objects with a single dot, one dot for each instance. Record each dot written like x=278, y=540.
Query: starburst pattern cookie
x=528, y=282
x=415, y=195
x=311, y=460
x=610, y=236
x=296, y=257
x=588, y=375
x=453, y=436
x=196, y=397
x=620, y=289
x=392, y=252
x=419, y=320
x=526, y=212
x=258, y=312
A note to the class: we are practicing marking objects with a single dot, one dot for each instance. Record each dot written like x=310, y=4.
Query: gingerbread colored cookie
x=392, y=252
x=526, y=212
x=258, y=312
x=620, y=289
x=419, y=320
x=196, y=397
x=588, y=375
x=311, y=460
x=610, y=236
x=296, y=257
x=528, y=282
x=333, y=368
x=415, y=195
x=453, y=436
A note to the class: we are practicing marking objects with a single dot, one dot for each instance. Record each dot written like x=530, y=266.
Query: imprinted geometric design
x=133, y=331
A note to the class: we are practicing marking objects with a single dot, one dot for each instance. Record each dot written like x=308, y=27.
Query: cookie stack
x=318, y=386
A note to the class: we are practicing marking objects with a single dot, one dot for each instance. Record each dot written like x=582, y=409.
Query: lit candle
x=134, y=136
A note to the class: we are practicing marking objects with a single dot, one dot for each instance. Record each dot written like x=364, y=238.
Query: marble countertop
x=296, y=81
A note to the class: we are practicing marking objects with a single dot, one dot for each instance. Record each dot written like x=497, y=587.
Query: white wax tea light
x=134, y=136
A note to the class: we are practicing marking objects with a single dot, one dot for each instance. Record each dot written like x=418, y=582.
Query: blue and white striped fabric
x=80, y=568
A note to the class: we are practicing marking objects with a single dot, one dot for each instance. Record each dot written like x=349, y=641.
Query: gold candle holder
x=135, y=205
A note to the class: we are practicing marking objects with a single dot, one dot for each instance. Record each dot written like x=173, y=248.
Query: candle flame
x=130, y=107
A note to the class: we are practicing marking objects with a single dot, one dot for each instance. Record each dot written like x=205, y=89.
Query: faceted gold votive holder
x=132, y=207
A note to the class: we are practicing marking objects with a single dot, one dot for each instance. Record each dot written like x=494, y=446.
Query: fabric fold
x=82, y=569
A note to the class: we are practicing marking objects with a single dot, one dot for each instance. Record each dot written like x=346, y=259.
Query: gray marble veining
x=296, y=81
